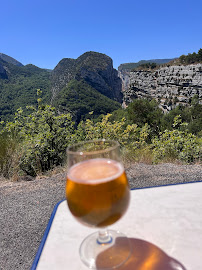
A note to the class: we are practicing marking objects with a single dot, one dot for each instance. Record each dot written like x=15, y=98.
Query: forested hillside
x=80, y=99
x=18, y=87
x=79, y=86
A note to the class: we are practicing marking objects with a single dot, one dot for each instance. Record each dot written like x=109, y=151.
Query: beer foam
x=95, y=171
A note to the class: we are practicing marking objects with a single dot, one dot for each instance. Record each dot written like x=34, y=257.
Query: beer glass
x=98, y=195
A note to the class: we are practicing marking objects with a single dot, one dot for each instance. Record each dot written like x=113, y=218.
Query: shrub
x=43, y=137
x=177, y=144
x=133, y=139
x=127, y=135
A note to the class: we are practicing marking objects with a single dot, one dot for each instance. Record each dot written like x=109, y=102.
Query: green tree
x=200, y=55
x=195, y=123
x=142, y=111
x=182, y=59
x=168, y=118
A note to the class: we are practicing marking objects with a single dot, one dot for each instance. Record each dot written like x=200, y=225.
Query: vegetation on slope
x=142, y=111
x=191, y=58
x=79, y=98
x=37, y=142
x=93, y=78
x=19, y=89
x=130, y=66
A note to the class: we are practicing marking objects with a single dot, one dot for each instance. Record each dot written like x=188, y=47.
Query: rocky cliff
x=170, y=85
x=94, y=68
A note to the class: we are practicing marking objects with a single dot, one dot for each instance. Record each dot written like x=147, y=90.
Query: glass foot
x=110, y=255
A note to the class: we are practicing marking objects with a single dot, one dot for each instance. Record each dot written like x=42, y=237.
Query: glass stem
x=104, y=237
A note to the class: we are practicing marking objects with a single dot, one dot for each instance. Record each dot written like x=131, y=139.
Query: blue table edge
x=43, y=241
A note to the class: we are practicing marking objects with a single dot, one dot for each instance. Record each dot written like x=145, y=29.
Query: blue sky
x=42, y=32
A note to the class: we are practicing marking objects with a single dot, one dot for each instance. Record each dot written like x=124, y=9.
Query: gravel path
x=26, y=207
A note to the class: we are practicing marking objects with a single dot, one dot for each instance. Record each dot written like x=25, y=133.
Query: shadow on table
x=144, y=256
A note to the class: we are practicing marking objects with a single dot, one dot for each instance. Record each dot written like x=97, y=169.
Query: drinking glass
x=98, y=195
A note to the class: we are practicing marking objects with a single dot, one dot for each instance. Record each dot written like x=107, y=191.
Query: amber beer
x=97, y=191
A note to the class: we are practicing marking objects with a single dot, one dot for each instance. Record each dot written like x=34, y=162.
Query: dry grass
x=130, y=157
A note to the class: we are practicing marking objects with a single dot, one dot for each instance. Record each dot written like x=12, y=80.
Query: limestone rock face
x=170, y=85
x=94, y=68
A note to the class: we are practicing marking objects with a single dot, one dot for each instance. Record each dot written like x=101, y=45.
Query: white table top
x=163, y=223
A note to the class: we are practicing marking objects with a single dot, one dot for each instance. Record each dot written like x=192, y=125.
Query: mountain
x=10, y=60
x=96, y=69
x=88, y=83
x=91, y=77
x=129, y=66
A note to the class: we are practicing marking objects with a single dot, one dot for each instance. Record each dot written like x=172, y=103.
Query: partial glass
x=98, y=195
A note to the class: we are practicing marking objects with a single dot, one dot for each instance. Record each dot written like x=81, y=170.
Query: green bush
x=37, y=141
x=127, y=135
x=133, y=139
x=177, y=144
x=43, y=137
